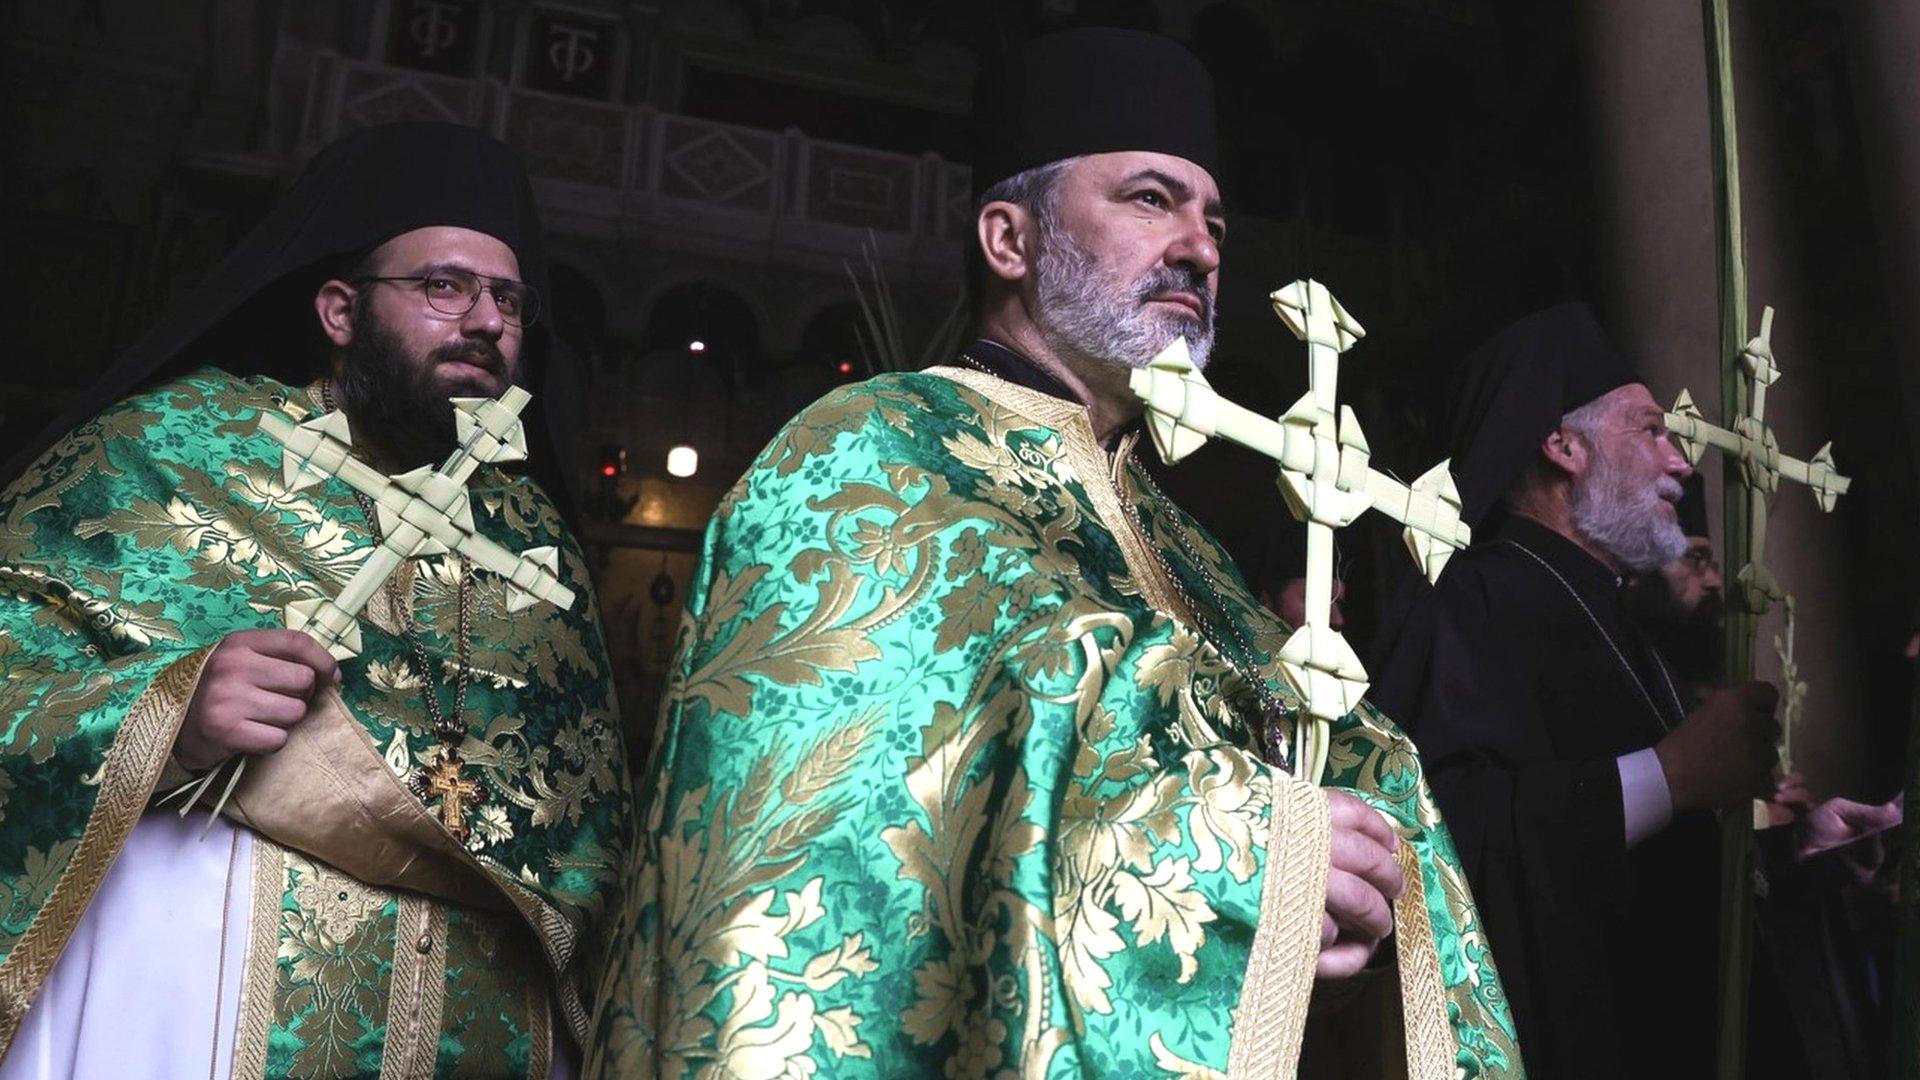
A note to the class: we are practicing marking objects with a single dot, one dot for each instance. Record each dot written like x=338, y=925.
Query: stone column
x=1645, y=71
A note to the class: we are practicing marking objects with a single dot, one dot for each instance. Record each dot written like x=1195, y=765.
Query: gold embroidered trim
x=1272, y=1017
x=558, y=940
x=1096, y=472
x=1423, y=993
x=417, y=992
x=127, y=776
x=269, y=890
x=539, y=1030
x=328, y=792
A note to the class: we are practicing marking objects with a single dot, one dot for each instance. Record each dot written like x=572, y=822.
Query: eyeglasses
x=1701, y=560
x=456, y=292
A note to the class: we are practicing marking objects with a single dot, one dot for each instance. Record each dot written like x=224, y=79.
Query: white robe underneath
x=134, y=995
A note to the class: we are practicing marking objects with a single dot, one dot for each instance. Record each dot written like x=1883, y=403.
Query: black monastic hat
x=1513, y=390
x=1691, y=510
x=1092, y=90
x=253, y=314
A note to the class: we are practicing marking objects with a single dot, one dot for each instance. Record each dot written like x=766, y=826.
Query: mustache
x=1171, y=279
x=481, y=354
x=1669, y=489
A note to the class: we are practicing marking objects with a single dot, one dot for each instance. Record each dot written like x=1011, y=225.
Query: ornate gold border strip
x=417, y=992
x=1272, y=1017
x=1423, y=993
x=1096, y=471
x=127, y=777
x=269, y=889
x=540, y=1032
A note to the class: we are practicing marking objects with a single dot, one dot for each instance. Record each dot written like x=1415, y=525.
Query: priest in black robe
x=1580, y=786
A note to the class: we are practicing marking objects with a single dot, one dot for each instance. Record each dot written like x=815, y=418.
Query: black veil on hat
x=1691, y=510
x=1513, y=390
x=1091, y=90
x=253, y=314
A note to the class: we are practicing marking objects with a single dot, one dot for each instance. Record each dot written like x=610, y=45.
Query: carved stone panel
x=716, y=163
x=375, y=95
x=566, y=140
x=440, y=36
x=571, y=54
x=850, y=186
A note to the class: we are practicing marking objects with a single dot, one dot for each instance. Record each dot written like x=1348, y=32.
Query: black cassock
x=1522, y=679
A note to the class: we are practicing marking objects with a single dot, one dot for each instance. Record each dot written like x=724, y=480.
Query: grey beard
x=1082, y=311
x=1624, y=520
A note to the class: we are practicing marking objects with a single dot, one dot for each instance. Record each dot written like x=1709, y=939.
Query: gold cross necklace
x=445, y=779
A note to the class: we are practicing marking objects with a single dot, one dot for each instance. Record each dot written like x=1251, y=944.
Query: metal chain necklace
x=1276, y=713
x=1271, y=736
x=1673, y=694
x=967, y=358
x=445, y=779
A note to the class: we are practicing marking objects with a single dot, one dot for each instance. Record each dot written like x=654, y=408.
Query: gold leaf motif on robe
x=839, y=1030
x=851, y=958
x=763, y=1039
x=994, y=459
x=1163, y=905
x=38, y=875
x=761, y=650
x=937, y=1001
x=750, y=930
x=968, y=613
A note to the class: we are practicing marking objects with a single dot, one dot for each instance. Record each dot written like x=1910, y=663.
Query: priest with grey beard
x=1580, y=787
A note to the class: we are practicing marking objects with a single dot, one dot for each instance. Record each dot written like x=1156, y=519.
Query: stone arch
x=659, y=296
x=831, y=336
x=718, y=316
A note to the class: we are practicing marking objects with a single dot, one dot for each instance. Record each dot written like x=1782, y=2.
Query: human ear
x=1006, y=233
x=1565, y=451
x=334, y=305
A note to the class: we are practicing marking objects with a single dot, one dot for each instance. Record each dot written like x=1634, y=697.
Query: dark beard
x=394, y=402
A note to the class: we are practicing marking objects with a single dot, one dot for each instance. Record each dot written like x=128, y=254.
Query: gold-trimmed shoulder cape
x=948, y=783
x=381, y=945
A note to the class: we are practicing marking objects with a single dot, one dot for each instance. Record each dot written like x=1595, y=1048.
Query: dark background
x=714, y=170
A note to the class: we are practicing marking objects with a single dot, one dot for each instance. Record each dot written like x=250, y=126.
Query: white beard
x=1083, y=311
x=1625, y=519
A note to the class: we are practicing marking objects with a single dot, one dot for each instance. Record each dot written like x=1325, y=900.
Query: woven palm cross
x=1325, y=479
x=427, y=511
x=1762, y=465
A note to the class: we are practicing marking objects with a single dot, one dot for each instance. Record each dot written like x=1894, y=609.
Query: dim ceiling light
x=683, y=461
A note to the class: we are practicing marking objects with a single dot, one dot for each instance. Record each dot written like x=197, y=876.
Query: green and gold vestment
x=379, y=944
x=948, y=783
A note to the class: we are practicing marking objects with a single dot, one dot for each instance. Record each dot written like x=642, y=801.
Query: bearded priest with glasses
x=339, y=916
x=976, y=758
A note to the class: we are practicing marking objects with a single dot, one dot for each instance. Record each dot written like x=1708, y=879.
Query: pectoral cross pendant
x=447, y=781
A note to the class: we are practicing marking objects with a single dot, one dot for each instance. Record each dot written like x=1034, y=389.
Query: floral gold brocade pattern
x=940, y=791
x=150, y=533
